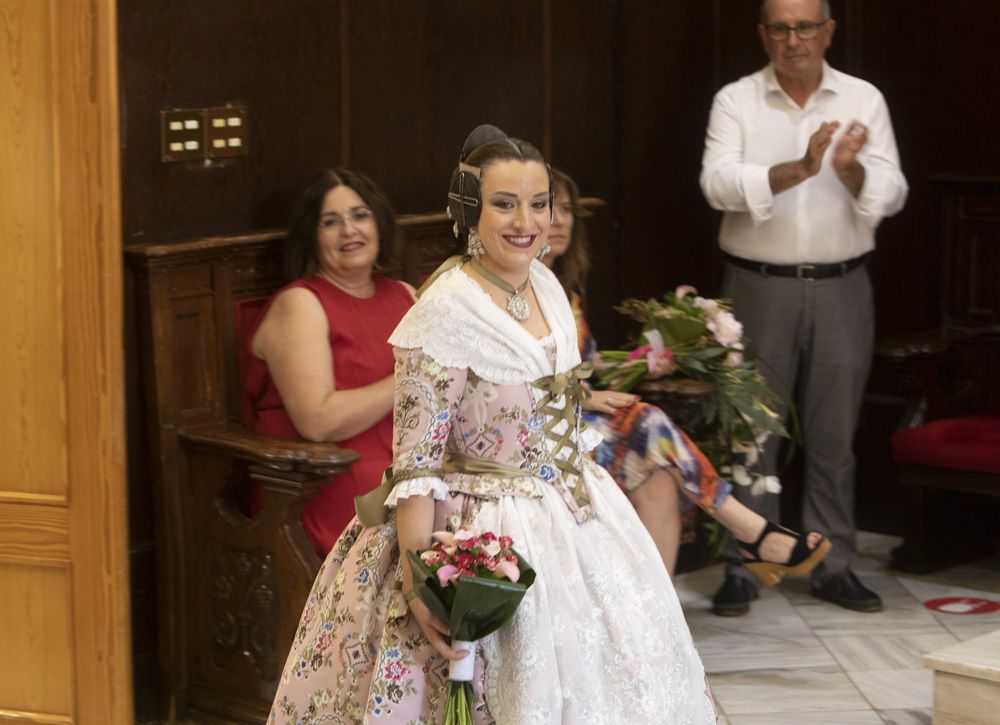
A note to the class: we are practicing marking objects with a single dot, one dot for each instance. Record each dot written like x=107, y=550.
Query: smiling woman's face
x=347, y=238
x=515, y=218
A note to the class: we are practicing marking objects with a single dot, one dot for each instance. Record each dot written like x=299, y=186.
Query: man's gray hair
x=824, y=11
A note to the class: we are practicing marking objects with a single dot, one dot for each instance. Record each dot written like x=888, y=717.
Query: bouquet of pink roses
x=474, y=582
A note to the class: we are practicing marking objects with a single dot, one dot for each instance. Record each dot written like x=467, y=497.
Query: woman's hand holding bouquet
x=470, y=585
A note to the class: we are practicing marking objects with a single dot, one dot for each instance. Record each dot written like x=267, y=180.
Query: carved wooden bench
x=230, y=588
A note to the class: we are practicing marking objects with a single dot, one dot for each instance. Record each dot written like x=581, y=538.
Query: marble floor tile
x=901, y=614
x=924, y=590
x=815, y=689
x=907, y=717
x=771, y=615
x=695, y=588
x=795, y=659
x=857, y=653
x=966, y=630
x=896, y=689
x=739, y=651
x=852, y=717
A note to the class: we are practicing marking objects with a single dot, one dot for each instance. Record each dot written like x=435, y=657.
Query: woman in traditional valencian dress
x=487, y=434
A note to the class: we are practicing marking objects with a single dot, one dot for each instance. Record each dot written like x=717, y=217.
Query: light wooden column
x=64, y=628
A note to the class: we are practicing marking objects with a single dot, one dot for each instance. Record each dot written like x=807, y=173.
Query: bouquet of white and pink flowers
x=699, y=338
x=474, y=582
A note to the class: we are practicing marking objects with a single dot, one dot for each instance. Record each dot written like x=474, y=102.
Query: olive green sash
x=371, y=508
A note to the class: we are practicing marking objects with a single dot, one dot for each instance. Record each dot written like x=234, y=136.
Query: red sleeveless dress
x=359, y=333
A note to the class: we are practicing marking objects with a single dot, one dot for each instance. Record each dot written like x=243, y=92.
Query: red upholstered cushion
x=967, y=443
x=249, y=313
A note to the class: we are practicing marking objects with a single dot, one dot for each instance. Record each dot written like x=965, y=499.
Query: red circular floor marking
x=962, y=605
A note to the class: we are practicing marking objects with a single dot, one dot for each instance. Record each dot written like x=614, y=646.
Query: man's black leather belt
x=798, y=271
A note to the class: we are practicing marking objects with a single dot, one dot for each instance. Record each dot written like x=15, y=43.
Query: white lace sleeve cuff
x=417, y=487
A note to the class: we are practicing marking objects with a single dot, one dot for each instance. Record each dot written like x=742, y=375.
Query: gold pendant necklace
x=517, y=305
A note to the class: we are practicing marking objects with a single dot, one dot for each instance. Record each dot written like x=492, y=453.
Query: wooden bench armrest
x=274, y=454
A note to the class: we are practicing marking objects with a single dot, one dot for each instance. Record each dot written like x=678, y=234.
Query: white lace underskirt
x=600, y=636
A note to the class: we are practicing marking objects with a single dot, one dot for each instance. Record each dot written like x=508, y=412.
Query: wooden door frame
x=82, y=528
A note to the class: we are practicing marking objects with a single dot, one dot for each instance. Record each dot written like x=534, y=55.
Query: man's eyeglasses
x=805, y=30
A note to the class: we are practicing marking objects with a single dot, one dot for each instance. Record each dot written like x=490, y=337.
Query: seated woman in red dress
x=322, y=368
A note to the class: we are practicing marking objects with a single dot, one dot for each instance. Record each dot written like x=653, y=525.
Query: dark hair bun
x=480, y=135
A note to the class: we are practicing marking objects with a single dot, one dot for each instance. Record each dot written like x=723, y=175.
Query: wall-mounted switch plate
x=226, y=132
x=182, y=135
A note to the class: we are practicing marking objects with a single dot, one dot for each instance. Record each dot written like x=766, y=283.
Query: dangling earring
x=543, y=250
x=475, y=246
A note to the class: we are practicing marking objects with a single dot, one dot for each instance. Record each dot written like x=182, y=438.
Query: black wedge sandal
x=802, y=561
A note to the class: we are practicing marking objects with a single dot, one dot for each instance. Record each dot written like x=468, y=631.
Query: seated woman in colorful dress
x=649, y=457
x=488, y=435
x=321, y=366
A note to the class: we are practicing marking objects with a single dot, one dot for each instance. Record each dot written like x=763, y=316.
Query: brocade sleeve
x=426, y=401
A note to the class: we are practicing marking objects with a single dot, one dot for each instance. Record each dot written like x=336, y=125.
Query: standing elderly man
x=803, y=161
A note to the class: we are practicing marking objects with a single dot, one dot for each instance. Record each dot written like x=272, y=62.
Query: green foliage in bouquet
x=706, y=343
x=478, y=606
x=703, y=341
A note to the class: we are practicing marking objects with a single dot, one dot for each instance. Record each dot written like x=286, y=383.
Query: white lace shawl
x=457, y=324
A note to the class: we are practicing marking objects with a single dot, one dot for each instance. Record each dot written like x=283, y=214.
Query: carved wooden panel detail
x=971, y=264
x=244, y=610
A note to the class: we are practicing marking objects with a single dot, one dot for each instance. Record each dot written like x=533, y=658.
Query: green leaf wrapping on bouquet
x=478, y=606
x=483, y=605
x=427, y=587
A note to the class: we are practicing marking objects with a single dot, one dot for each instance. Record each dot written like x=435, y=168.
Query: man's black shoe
x=734, y=596
x=847, y=591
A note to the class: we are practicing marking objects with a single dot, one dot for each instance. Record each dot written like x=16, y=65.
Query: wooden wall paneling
x=959, y=71
x=425, y=74
x=668, y=231
x=738, y=51
x=970, y=252
x=279, y=60
x=877, y=36
x=584, y=133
